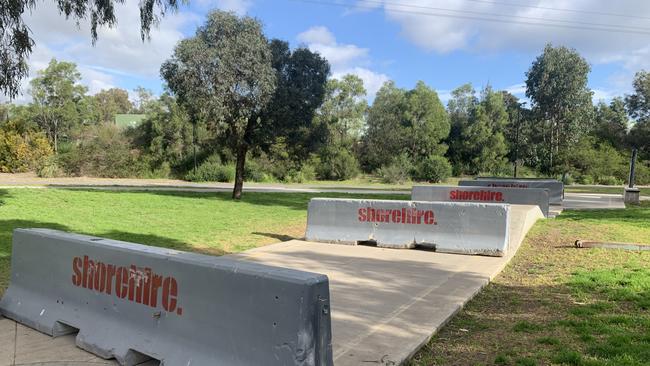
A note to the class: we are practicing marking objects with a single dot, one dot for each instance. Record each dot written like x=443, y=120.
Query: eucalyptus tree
x=57, y=98
x=224, y=75
x=16, y=41
x=561, y=100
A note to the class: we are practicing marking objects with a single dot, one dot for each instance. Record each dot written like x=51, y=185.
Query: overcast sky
x=445, y=43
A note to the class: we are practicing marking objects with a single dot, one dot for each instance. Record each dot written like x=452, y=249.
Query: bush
x=103, y=151
x=585, y=179
x=49, y=168
x=211, y=170
x=22, y=152
x=433, y=169
x=610, y=181
x=397, y=172
x=337, y=164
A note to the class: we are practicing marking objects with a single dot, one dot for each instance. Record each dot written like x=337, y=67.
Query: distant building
x=128, y=120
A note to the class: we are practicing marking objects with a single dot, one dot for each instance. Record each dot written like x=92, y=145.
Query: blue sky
x=438, y=41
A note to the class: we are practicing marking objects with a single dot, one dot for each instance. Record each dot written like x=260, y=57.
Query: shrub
x=337, y=164
x=103, y=151
x=586, y=179
x=212, y=171
x=22, y=152
x=49, y=168
x=610, y=181
x=397, y=172
x=433, y=169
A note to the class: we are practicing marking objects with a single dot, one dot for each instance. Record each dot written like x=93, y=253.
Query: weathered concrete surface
x=386, y=303
x=450, y=227
x=182, y=308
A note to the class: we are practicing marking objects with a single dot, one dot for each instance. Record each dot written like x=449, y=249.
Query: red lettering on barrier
x=132, y=284
x=482, y=195
x=399, y=216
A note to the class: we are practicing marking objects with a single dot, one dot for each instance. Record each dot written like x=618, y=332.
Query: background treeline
x=283, y=118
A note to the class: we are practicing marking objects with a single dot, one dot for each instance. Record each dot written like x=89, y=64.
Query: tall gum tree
x=557, y=87
x=224, y=74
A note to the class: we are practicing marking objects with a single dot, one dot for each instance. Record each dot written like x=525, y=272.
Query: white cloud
x=119, y=51
x=517, y=89
x=343, y=58
x=453, y=25
x=239, y=7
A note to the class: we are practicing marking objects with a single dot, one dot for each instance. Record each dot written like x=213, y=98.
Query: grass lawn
x=210, y=223
x=602, y=189
x=558, y=305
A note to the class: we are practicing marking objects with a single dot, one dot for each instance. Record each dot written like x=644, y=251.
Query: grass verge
x=210, y=223
x=558, y=305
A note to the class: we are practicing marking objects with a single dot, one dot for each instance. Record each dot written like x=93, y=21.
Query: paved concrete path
x=386, y=303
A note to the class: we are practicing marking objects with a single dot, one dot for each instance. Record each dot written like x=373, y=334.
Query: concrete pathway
x=386, y=303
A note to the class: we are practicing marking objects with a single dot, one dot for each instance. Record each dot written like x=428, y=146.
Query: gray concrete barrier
x=555, y=187
x=532, y=196
x=133, y=302
x=467, y=228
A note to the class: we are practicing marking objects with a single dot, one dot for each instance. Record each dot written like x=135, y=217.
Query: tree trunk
x=239, y=170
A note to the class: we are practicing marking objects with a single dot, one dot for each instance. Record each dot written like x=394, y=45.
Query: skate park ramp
x=385, y=303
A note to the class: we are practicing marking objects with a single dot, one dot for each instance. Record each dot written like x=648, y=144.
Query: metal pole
x=632, y=164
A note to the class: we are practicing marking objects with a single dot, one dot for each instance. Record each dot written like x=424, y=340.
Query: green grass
x=558, y=305
x=210, y=223
x=602, y=189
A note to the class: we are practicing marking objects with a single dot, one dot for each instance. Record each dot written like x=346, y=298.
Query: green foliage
x=599, y=163
x=433, y=169
x=289, y=116
x=611, y=122
x=58, y=99
x=107, y=103
x=49, y=168
x=557, y=86
x=337, y=164
x=211, y=171
x=413, y=122
x=397, y=172
x=103, y=151
x=22, y=152
x=232, y=92
x=15, y=37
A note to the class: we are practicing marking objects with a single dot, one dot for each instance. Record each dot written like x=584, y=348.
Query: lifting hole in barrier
x=61, y=329
x=367, y=243
x=134, y=357
x=425, y=247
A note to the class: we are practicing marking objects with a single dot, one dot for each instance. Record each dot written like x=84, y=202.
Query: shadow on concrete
x=278, y=237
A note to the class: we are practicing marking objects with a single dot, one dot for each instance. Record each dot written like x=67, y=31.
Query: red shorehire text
x=141, y=286
x=397, y=216
x=482, y=195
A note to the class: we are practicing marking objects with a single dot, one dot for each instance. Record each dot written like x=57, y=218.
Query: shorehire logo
x=139, y=285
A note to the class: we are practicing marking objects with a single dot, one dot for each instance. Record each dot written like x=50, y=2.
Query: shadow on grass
x=291, y=200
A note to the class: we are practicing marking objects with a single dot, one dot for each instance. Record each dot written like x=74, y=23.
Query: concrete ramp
x=450, y=227
x=387, y=303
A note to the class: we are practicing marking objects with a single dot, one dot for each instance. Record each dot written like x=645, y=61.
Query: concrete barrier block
x=467, y=228
x=532, y=196
x=134, y=302
x=555, y=187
